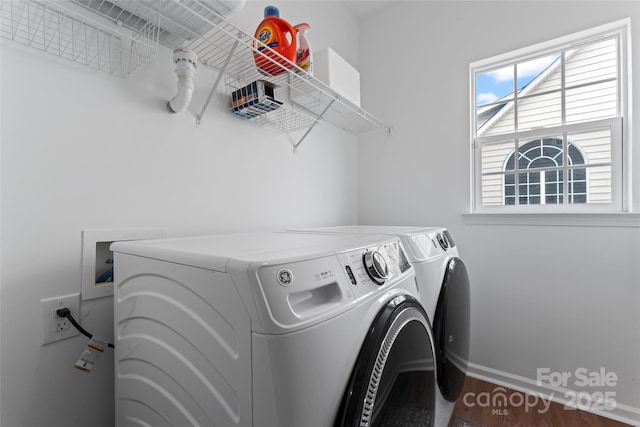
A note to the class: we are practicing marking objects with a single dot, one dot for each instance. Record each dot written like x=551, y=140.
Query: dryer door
x=451, y=330
x=393, y=378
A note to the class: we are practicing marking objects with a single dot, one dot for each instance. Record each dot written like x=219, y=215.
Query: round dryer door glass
x=394, y=375
x=451, y=330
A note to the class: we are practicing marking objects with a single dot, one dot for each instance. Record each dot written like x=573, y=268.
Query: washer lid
x=215, y=251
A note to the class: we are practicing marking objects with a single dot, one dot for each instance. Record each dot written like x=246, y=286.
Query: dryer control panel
x=425, y=246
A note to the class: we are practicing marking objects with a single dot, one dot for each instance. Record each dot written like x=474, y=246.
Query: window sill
x=625, y=219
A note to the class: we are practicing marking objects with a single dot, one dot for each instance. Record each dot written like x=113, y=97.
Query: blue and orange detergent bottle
x=280, y=37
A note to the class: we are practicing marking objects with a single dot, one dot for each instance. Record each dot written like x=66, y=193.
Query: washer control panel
x=372, y=268
x=299, y=293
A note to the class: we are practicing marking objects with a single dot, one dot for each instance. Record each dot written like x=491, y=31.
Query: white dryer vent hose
x=186, y=62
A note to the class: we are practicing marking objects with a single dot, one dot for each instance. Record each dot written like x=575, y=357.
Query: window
x=547, y=125
x=544, y=183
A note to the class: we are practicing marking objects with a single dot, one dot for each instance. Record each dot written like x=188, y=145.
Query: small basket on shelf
x=254, y=99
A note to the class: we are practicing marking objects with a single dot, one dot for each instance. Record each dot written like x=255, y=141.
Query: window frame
x=620, y=126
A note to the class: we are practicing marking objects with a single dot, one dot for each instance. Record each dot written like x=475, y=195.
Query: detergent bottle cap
x=271, y=10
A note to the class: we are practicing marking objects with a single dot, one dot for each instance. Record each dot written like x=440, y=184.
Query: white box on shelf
x=333, y=70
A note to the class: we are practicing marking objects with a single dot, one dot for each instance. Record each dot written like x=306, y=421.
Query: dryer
x=444, y=290
x=270, y=329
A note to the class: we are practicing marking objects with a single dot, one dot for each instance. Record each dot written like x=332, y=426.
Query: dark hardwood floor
x=538, y=413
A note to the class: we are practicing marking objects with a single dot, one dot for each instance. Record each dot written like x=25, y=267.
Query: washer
x=444, y=289
x=270, y=329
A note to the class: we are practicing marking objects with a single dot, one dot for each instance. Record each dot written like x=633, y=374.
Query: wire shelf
x=306, y=100
x=125, y=34
x=54, y=27
x=180, y=20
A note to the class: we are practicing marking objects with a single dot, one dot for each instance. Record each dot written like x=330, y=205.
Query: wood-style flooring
x=479, y=411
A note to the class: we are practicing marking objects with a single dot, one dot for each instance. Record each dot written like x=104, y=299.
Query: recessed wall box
x=97, y=258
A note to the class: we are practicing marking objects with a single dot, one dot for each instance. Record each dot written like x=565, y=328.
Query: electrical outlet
x=54, y=327
x=62, y=324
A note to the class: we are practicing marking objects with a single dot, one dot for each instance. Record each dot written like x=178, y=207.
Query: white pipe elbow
x=180, y=102
x=185, y=61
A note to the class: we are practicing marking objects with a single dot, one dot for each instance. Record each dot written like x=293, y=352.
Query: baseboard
x=623, y=413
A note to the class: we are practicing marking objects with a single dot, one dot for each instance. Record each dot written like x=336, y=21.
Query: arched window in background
x=541, y=174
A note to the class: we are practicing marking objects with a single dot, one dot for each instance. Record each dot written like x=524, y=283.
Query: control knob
x=442, y=240
x=376, y=266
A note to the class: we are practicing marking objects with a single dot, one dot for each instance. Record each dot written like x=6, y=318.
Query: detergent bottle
x=304, y=57
x=280, y=37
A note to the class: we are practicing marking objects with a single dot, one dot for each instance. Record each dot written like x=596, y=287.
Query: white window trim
x=617, y=213
x=618, y=219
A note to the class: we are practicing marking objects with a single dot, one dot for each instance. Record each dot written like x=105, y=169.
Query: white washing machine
x=444, y=289
x=270, y=329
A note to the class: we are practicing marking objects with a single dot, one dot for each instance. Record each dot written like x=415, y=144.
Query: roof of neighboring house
x=490, y=114
x=485, y=114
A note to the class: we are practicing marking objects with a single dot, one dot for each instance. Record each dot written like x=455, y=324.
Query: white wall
x=80, y=149
x=551, y=297
x=83, y=149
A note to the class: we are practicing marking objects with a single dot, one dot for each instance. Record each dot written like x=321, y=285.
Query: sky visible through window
x=497, y=84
